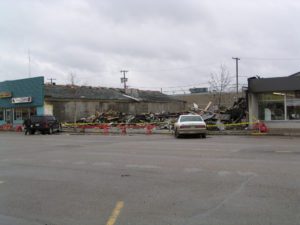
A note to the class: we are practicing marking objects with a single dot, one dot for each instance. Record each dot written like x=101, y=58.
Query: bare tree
x=219, y=82
x=72, y=78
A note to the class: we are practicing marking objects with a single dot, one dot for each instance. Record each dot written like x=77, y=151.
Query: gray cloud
x=163, y=43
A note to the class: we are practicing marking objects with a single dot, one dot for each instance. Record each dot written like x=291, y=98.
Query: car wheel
x=176, y=134
x=32, y=131
x=203, y=135
x=59, y=128
x=50, y=131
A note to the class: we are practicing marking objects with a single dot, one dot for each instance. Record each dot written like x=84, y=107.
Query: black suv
x=44, y=124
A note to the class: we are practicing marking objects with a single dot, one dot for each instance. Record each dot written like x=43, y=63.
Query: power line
x=181, y=86
x=29, y=64
x=166, y=70
x=283, y=59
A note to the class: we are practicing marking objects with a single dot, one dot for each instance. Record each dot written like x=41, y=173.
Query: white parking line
x=224, y=173
x=58, y=161
x=192, y=170
x=143, y=166
x=247, y=173
x=101, y=164
x=79, y=163
x=5, y=160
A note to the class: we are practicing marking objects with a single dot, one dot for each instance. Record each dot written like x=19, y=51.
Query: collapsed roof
x=102, y=93
x=82, y=92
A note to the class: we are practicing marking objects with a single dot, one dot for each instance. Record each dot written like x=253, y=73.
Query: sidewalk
x=273, y=132
x=117, y=131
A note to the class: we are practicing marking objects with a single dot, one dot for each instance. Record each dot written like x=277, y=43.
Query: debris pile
x=217, y=119
x=162, y=120
x=214, y=118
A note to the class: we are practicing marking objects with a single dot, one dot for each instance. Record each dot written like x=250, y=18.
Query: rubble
x=214, y=118
x=162, y=120
x=217, y=119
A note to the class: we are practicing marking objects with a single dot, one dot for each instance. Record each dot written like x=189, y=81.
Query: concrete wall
x=283, y=124
x=202, y=99
x=68, y=110
x=253, y=108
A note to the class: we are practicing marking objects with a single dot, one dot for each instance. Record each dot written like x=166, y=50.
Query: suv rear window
x=42, y=118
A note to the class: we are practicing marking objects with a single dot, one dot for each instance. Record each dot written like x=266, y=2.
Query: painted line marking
x=247, y=173
x=5, y=160
x=2, y=182
x=224, y=173
x=102, y=164
x=192, y=170
x=57, y=161
x=79, y=163
x=143, y=166
x=114, y=216
x=284, y=151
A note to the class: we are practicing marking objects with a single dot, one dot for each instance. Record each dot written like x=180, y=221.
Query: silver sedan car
x=190, y=124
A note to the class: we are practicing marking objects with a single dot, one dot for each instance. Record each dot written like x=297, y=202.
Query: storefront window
x=18, y=114
x=293, y=105
x=25, y=113
x=32, y=111
x=271, y=106
x=1, y=114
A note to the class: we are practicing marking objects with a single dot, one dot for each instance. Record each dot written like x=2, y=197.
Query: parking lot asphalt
x=148, y=179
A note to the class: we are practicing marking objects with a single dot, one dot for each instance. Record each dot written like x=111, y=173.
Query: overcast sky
x=169, y=44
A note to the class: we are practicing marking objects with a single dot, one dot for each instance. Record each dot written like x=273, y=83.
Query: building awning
x=258, y=85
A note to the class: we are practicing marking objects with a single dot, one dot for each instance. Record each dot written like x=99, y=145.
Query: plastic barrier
x=105, y=129
x=261, y=127
x=123, y=129
x=149, y=128
x=6, y=127
x=19, y=128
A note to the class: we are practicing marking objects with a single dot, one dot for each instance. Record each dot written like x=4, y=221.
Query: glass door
x=8, y=116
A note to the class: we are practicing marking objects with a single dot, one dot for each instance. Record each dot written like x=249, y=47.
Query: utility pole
x=29, y=64
x=237, y=73
x=51, y=80
x=124, y=79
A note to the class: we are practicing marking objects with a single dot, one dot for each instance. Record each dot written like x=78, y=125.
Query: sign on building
x=5, y=94
x=21, y=100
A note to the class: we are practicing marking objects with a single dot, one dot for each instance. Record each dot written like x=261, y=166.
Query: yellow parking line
x=117, y=210
x=283, y=151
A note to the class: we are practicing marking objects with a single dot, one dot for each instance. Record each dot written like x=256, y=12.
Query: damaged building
x=67, y=102
x=276, y=101
x=21, y=98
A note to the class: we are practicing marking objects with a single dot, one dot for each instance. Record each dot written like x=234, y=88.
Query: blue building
x=19, y=99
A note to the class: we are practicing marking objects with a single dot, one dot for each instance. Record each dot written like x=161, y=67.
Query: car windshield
x=190, y=118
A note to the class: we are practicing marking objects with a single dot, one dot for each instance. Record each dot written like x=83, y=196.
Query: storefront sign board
x=21, y=100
